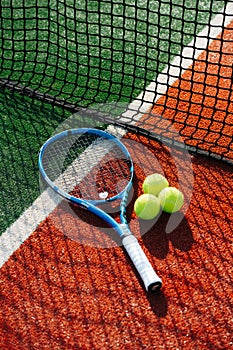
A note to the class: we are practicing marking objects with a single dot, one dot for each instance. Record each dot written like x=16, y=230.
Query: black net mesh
x=169, y=60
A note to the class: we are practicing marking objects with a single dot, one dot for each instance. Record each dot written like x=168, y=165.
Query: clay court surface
x=61, y=291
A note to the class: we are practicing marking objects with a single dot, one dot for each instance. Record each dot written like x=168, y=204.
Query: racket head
x=86, y=165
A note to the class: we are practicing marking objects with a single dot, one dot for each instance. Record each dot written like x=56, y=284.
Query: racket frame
x=152, y=282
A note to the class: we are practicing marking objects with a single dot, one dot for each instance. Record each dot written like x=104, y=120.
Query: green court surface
x=96, y=52
x=24, y=125
x=91, y=53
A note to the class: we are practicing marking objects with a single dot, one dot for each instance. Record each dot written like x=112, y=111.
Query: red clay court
x=60, y=291
x=57, y=293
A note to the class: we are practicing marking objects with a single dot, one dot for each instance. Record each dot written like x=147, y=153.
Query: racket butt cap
x=154, y=287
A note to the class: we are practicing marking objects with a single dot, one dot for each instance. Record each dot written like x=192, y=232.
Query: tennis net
x=169, y=62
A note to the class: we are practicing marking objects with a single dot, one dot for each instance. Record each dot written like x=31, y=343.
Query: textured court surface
x=58, y=290
x=58, y=293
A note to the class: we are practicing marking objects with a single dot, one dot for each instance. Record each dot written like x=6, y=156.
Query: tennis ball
x=154, y=183
x=171, y=199
x=147, y=206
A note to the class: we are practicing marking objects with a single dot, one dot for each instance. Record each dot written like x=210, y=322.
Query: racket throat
x=123, y=211
x=125, y=231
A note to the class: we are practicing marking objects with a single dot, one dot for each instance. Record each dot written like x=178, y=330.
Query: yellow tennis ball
x=171, y=199
x=147, y=206
x=154, y=183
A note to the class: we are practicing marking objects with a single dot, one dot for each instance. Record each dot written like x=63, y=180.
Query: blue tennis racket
x=90, y=167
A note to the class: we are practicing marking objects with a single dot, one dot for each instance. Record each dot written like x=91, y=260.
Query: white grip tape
x=150, y=278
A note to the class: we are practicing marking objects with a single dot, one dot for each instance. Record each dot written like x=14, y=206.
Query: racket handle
x=151, y=280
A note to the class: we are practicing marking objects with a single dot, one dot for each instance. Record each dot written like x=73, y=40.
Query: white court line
x=21, y=229
x=176, y=68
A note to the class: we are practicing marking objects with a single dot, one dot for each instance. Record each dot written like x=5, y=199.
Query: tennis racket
x=90, y=167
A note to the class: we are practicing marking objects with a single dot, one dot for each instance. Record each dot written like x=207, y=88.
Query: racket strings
x=87, y=166
x=113, y=176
